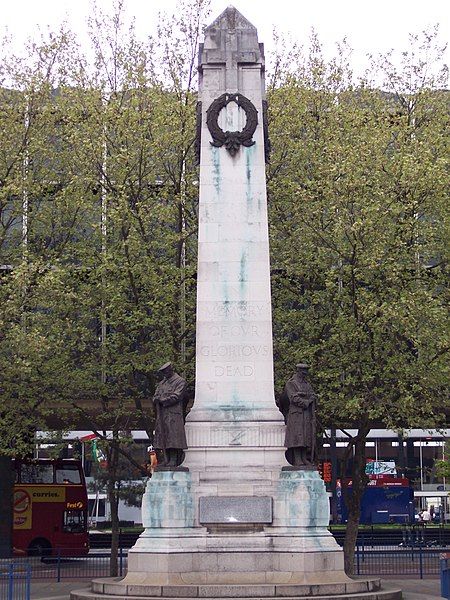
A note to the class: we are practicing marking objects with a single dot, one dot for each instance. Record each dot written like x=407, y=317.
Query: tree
x=110, y=184
x=143, y=110
x=443, y=466
x=358, y=179
x=27, y=364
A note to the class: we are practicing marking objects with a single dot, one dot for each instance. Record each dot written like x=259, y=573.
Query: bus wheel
x=40, y=547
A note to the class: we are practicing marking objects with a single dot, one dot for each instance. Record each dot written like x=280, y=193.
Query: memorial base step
x=358, y=589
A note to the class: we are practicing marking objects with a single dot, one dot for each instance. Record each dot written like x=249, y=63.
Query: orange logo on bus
x=78, y=504
x=22, y=501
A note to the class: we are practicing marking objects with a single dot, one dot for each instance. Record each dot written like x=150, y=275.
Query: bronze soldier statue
x=298, y=405
x=170, y=437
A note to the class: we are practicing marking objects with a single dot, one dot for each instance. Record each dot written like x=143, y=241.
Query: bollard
x=445, y=575
x=421, y=561
x=11, y=582
x=28, y=581
x=59, y=566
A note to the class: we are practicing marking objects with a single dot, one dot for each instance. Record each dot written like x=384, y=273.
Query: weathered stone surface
x=144, y=591
x=234, y=322
x=168, y=500
x=235, y=591
x=241, y=592
x=235, y=509
x=180, y=591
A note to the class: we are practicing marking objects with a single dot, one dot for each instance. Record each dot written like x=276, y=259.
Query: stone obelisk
x=235, y=520
x=234, y=420
x=233, y=504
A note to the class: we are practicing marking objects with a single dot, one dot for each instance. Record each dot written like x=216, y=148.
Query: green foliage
x=358, y=205
x=98, y=210
x=127, y=479
x=443, y=466
x=359, y=180
x=98, y=197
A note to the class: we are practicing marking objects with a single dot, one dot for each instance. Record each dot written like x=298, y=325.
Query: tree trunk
x=353, y=500
x=6, y=506
x=113, y=457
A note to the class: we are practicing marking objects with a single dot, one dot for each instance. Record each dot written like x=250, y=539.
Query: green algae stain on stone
x=304, y=499
x=168, y=497
x=248, y=170
x=248, y=173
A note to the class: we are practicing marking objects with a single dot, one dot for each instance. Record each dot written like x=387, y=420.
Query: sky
x=371, y=26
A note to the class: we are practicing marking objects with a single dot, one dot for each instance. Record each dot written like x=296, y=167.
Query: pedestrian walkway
x=56, y=591
x=413, y=589
x=417, y=589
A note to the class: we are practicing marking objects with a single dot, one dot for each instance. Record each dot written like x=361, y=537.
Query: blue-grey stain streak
x=216, y=170
x=314, y=511
x=243, y=270
x=248, y=170
x=170, y=498
x=248, y=173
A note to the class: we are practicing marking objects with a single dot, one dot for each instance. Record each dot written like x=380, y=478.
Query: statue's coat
x=298, y=404
x=169, y=405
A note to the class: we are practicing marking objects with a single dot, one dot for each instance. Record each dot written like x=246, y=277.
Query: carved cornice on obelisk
x=231, y=39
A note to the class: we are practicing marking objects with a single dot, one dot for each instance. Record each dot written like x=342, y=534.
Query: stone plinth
x=140, y=588
x=289, y=545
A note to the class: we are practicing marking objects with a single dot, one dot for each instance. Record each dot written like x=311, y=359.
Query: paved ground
x=413, y=589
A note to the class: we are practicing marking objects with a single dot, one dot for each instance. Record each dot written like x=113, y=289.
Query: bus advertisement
x=50, y=508
x=387, y=499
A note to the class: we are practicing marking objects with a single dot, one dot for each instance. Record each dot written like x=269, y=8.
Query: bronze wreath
x=232, y=139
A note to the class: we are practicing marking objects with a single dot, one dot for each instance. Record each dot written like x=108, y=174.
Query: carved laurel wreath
x=232, y=139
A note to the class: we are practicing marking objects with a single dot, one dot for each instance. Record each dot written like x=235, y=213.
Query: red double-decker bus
x=50, y=508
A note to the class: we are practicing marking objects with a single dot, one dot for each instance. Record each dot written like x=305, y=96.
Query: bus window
x=36, y=473
x=74, y=521
x=68, y=474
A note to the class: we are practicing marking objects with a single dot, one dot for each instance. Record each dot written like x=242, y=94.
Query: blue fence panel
x=15, y=580
x=414, y=561
x=58, y=567
x=15, y=574
x=445, y=575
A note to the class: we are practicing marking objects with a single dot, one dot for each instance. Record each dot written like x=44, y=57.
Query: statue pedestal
x=295, y=556
x=282, y=539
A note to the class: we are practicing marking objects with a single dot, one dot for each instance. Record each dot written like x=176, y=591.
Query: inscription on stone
x=234, y=350
x=238, y=309
x=235, y=509
x=233, y=370
x=239, y=331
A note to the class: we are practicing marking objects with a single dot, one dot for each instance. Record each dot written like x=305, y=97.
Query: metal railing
x=15, y=580
x=59, y=567
x=416, y=561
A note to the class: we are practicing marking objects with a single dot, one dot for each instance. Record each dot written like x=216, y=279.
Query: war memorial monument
x=245, y=514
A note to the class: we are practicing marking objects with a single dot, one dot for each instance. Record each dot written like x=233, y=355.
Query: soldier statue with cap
x=298, y=405
x=169, y=402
